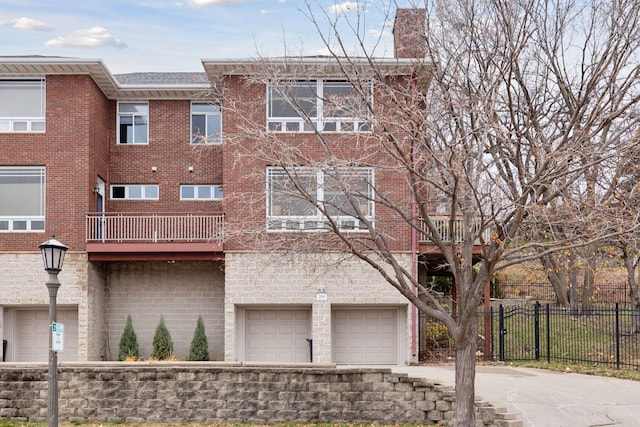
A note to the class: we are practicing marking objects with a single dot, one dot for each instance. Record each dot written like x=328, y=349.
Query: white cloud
x=89, y=38
x=344, y=7
x=25, y=23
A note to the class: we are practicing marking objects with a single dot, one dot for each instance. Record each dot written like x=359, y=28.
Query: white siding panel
x=365, y=336
x=277, y=335
x=32, y=335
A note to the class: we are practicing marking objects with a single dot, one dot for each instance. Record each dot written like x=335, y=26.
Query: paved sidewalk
x=542, y=398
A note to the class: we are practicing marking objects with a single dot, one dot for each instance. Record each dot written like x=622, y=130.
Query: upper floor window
x=324, y=104
x=200, y=192
x=206, y=123
x=134, y=192
x=22, y=105
x=133, y=122
x=22, y=201
x=297, y=197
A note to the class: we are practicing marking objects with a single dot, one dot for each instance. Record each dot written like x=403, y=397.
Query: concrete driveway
x=541, y=398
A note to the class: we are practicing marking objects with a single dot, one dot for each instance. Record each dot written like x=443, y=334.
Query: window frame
x=29, y=123
x=198, y=139
x=127, y=191
x=319, y=120
x=25, y=223
x=133, y=116
x=215, y=190
x=316, y=221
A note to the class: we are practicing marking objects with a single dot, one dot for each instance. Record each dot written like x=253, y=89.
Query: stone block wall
x=293, y=280
x=214, y=392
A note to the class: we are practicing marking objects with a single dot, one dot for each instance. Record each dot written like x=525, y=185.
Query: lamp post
x=53, y=257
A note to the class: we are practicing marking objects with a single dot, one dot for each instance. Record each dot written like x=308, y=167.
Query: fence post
x=501, y=332
x=548, y=334
x=493, y=348
x=536, y=329
x=617, y=336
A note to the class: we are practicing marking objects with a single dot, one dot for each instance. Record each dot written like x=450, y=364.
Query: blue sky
x=174, y=35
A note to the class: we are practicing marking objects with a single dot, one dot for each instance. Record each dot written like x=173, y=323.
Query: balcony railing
x=136, y=227
x=454, y=235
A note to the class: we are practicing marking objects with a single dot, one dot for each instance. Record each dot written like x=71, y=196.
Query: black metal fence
x=606, y=335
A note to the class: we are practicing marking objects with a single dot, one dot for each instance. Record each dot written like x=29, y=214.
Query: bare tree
x=510, y=108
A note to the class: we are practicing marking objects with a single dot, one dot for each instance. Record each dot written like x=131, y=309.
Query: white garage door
x=365, y=336
x=32, y=335
x=277, y=335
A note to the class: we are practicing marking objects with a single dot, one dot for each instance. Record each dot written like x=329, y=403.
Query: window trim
x=133, y=117
x=8, y=124
x=301, y=124
x=317, y=222
x=28, y=220
x=127, y=189
x=215, y=189
x=205, y=141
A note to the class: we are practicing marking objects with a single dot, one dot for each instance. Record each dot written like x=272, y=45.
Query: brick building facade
x=111, y=167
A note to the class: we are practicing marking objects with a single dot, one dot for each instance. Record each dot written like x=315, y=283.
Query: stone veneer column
x=321, y=329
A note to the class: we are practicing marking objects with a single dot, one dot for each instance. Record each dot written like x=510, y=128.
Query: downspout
x=414, y=243
x=414, y=272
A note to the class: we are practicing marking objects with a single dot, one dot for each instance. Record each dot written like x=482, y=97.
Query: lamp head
x=53, y=255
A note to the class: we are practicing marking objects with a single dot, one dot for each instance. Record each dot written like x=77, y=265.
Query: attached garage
x=277, y=335
x=31, y=335
x=365, y=336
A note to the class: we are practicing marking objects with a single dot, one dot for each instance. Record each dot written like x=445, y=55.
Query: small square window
x=117, y=192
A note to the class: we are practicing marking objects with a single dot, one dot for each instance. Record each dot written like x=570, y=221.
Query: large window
x=133, y=123
x=22, y=105
x=206, y=123
x=297, y=197
x=22, y=203
x=323, y=104
x=134, y=192
x=200, y=192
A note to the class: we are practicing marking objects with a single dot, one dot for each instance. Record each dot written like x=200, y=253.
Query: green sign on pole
x=57, y=331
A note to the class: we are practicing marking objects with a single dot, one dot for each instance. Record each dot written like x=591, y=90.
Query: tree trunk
x=587, y=290
x=553, y=274
x=574, y=300
x=465, y=415
x=634, y=295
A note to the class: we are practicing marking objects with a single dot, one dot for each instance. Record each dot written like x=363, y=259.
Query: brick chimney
x=409, y=33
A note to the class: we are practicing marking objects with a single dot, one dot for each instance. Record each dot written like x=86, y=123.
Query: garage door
x=277, y=335
x=32, y=335
x=365, y=336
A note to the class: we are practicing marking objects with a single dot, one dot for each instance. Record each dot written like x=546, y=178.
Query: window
x=133, y=123
x=296, y=197
x=200, y=192
x=134, y=192
x=22, y=105
x=328, y=105
x=22, y=202
x=206, y=123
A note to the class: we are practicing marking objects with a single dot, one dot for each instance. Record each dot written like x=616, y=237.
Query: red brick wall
x=245, y=182
x=171, y=152
x=63, y=149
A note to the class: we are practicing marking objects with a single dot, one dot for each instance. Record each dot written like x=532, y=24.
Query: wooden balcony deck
x=143, y=236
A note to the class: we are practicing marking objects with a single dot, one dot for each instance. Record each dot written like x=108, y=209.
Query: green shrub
x=162, y=344
x=128, y=345
x=199, y=348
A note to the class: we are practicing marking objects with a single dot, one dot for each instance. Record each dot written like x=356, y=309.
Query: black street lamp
x=53, y=256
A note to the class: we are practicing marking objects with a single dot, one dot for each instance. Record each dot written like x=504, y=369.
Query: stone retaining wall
x=214, y=392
